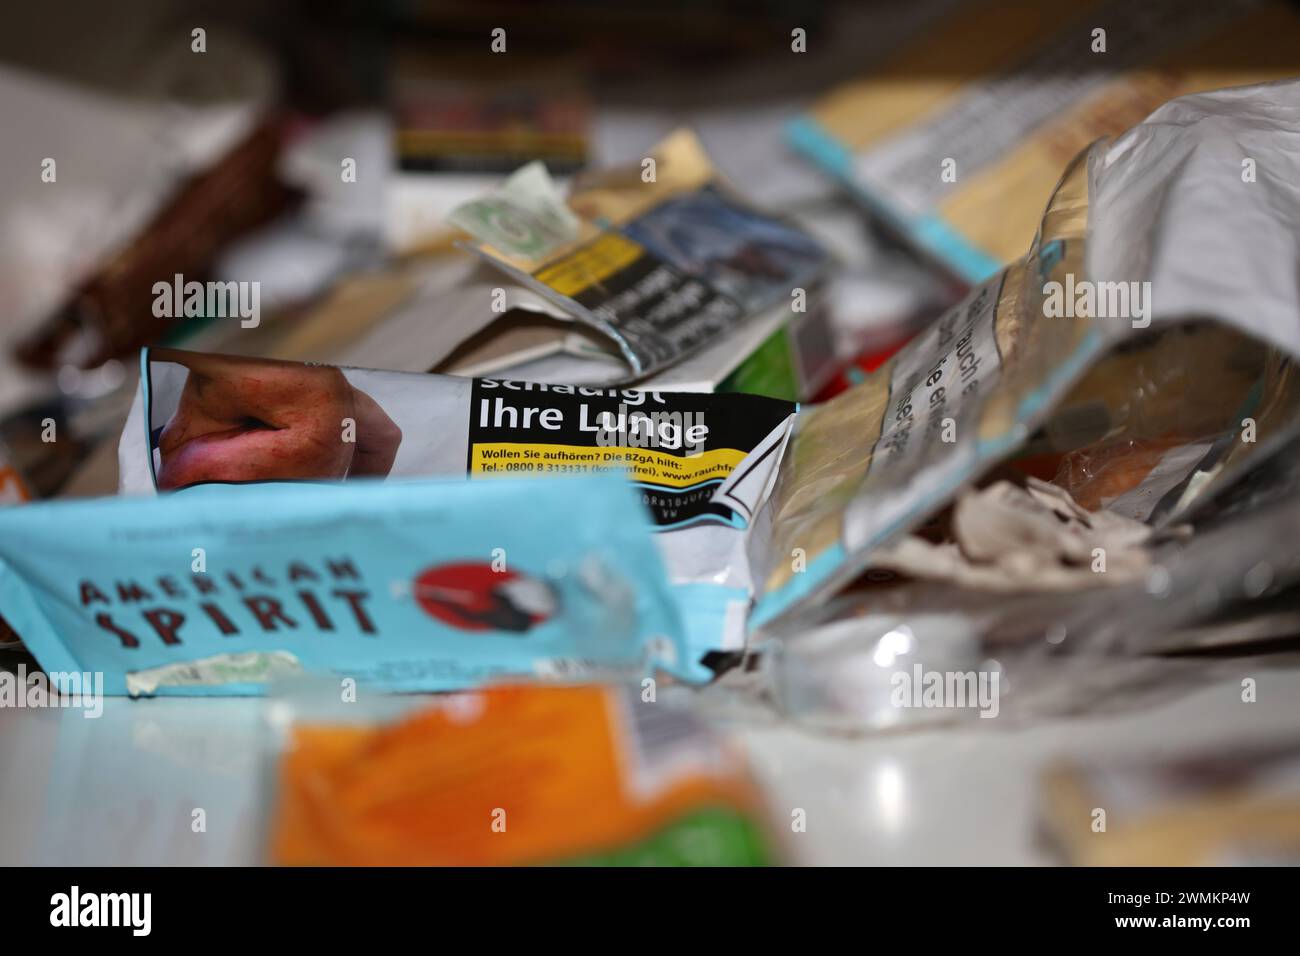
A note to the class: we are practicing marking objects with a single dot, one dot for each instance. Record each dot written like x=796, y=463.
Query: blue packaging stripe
x=931, y=233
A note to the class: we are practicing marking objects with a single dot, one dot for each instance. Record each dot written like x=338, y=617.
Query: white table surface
x=121, y=789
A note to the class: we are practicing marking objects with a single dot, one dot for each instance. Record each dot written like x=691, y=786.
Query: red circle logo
x=474, y=597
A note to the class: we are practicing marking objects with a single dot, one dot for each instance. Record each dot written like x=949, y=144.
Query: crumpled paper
x=1032, y=538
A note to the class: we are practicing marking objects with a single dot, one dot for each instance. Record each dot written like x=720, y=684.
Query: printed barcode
x=656, y=728
x=664, y=745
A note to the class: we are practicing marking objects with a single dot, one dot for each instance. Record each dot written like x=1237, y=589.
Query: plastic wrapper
x=406, y=585
x=1124, y=643
x=1137, y=317
x=1226, y=582
x=900, y=665
x=512, y=775
x=869, y=673
x=1162, y=410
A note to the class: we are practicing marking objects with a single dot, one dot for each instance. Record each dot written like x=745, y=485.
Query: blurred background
x=206, y=139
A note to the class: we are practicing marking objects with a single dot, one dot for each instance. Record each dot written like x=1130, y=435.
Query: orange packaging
x=518, y=775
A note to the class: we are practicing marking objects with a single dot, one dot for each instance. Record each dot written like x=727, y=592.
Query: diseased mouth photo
x=267, y=421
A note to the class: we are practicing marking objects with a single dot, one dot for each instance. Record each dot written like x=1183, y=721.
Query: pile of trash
x=1077, y=487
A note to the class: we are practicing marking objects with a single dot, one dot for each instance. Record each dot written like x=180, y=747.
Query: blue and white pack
x=407, y=585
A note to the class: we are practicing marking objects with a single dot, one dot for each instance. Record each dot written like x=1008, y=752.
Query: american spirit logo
x=298, y=595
